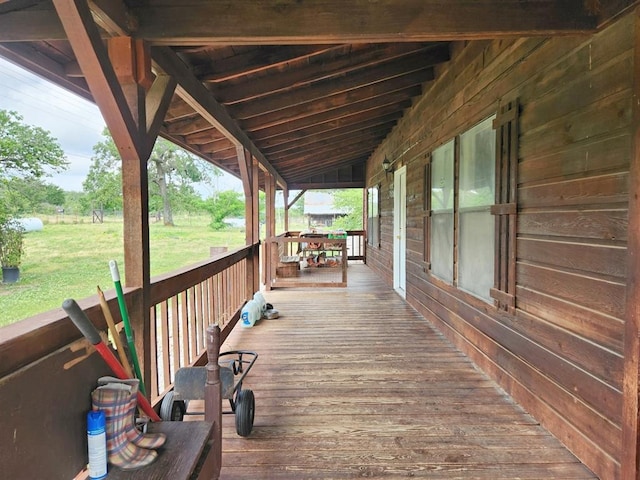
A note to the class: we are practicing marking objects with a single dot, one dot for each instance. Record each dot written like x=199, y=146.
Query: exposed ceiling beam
x=326, y=69
x=31, y=25
x=113, y=17
x=336, y=102
x=336, y=117
x=357, y=21
x=196, y=95
x=27, y=57
x=332, y=21
x=412, y=67
x=258, y=60
x=327, y=138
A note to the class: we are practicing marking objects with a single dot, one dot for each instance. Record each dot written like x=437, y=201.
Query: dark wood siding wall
x=560, y=355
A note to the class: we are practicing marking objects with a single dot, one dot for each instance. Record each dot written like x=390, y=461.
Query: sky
x=75, y=122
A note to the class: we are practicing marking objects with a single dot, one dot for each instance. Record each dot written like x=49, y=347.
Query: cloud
x=76, y=123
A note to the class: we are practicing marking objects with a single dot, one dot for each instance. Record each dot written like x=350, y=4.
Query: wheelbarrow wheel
x=172, y=410
x=245, y=411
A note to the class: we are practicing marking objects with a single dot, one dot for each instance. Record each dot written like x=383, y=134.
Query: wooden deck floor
x=353, y=383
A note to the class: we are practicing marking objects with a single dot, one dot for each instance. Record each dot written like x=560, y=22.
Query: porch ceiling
x=310, y=90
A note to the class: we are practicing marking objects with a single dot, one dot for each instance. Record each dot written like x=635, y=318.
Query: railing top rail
x=306, y=239
x=170, y=284
x=348, y=232
x=35, y=337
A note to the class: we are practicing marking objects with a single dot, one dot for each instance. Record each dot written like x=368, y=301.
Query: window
x=373, y=216
x=476, y=191
x=471, y=209
x=442, y=212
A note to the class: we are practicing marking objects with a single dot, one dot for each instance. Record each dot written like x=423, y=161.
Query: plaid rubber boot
x=121, y=451
x=144, y=440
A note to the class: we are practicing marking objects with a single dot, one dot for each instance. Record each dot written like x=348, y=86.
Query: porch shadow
x=354, y=383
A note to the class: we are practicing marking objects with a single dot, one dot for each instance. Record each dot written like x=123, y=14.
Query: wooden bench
x=43, y=410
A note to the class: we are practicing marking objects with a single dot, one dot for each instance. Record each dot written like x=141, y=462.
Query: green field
x=69, y=260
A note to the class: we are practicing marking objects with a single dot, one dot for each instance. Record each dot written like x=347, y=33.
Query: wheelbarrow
x=189, y=385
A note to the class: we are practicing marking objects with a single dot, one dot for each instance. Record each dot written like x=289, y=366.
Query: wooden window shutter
x=506, y=207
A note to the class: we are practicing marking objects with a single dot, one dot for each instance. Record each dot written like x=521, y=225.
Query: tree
x=226, y=204
x=171, y=170
x=26, y=152
x=31, y=194
x=103, y=185
x=349, y=200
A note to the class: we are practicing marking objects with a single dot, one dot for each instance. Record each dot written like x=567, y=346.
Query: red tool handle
x=87, y=329
x=118, y=370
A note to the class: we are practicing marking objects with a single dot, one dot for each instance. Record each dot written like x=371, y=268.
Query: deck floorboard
x=354, y=383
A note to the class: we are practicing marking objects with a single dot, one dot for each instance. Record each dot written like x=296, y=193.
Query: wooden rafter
x=326, y=69
x=99, y=73
x=195, y=94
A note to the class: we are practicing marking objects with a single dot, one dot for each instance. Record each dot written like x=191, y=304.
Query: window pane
x=475, y=257
x=442, y=246
x=442, y=163
x=442, y=178
x=476, y=224
x=477, y=165
x=373, y=219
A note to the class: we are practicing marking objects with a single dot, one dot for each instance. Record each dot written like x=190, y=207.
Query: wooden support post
x=135, y=198
x=213, y=395
x=137, y=269
x=249, y=174
x=270, y=251
x=255, y=219
x=630, y=459
x=118, y=77
x=285, y=200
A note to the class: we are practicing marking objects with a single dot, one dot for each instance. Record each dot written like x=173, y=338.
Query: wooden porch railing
x=287, y=246
x=47, y=367
x=185, y=302
x=355, y=243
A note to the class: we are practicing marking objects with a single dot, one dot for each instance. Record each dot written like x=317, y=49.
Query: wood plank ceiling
x=311, y=90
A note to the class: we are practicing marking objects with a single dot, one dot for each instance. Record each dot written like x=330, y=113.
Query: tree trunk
x=162, y=186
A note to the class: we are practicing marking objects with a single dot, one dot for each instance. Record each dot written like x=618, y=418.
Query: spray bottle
x=97, y=442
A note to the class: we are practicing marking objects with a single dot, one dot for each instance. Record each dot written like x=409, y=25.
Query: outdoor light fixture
x=386, y=165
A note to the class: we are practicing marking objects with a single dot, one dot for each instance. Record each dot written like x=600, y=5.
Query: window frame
x=504, y=209
x=373, y=216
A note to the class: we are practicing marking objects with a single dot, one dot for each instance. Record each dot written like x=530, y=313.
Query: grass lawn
x=68, y=260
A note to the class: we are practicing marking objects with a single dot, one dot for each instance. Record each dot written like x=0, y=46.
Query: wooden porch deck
x=352, y=383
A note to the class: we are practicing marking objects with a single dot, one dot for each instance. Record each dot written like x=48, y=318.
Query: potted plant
x=11, y=250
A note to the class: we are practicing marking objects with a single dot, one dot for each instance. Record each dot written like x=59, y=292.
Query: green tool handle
x=115, y=275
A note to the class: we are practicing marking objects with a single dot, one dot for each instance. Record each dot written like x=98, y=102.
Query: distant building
x=319, y=209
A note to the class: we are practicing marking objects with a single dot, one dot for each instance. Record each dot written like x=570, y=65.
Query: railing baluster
x=175, y=337
x=184, y=330
x=153, y=388
x=200, y=316
x=212, y=302
x=193, y=342
x=164, y=319
x=185, y=303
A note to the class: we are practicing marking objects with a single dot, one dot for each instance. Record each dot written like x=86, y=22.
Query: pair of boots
x=127, y=447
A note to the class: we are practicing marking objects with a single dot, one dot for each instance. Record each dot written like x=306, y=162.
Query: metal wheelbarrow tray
x=189, y=385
